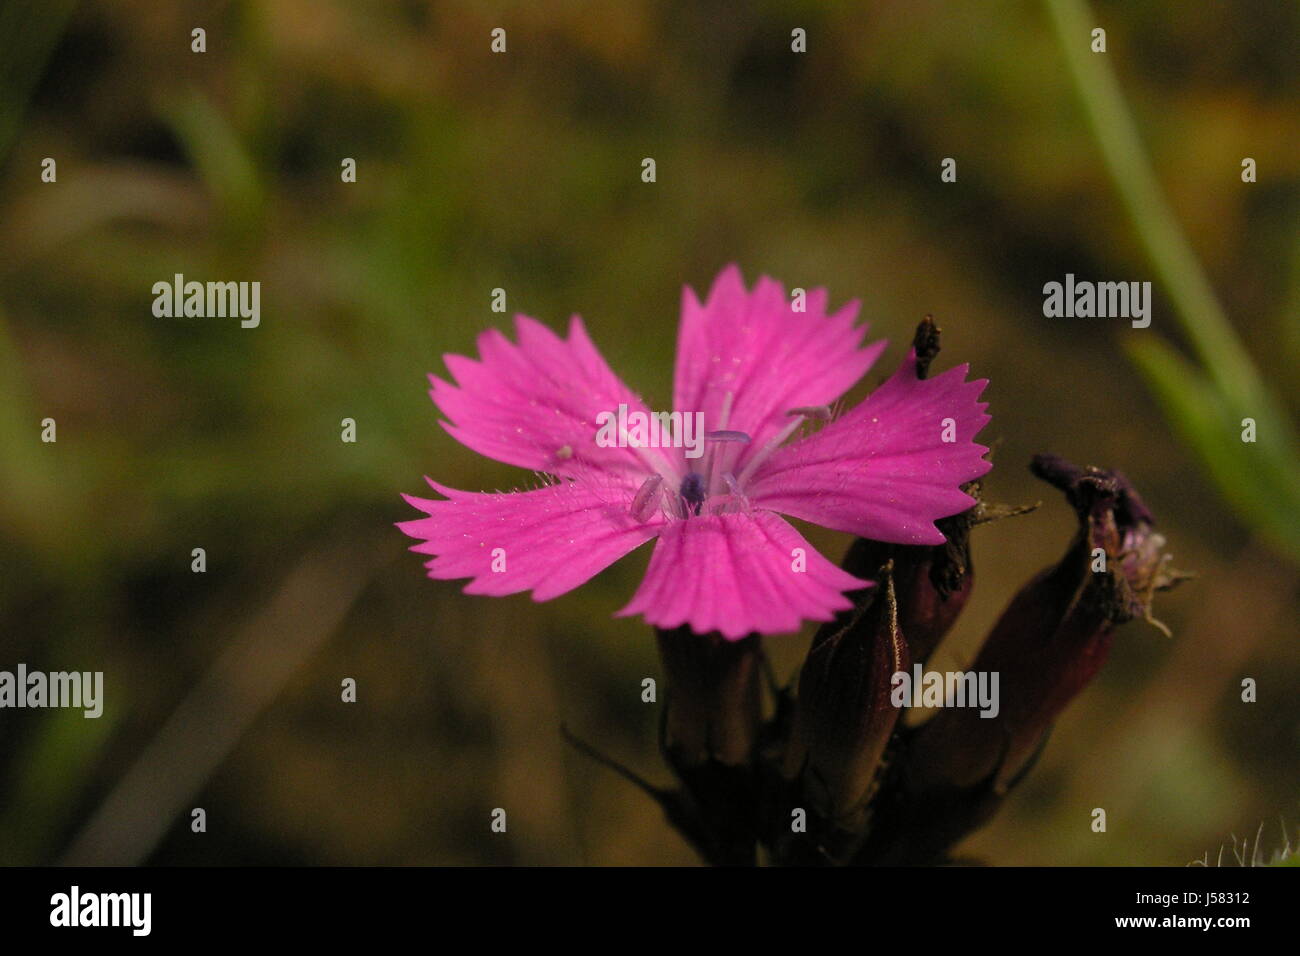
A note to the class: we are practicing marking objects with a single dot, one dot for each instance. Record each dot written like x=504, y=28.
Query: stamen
x=766, y=451
x=647, y=498
x=738, y=503
x=821, y=413
x=724, y=413
x=724, y=417
x=675, y=505
x=721, y=458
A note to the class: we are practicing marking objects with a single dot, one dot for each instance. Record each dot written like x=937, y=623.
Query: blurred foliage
x=1210, y=409
x=522, y=171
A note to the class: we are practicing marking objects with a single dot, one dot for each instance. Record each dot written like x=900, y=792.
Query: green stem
x=1202, y=317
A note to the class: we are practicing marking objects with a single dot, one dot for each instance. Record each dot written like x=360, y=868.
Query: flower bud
x=1049, y=643
x=843, y=723
x=932, y=582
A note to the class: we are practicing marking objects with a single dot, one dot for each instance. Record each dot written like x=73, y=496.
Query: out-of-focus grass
x=477, y=171
x=29, y=29
x=1209, y=406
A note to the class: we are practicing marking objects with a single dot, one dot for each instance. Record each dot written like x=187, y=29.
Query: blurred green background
x=522, y=171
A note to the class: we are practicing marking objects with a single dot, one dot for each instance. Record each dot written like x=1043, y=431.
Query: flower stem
x=1201, y=316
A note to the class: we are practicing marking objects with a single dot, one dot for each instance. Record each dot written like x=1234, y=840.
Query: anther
x=647, y=498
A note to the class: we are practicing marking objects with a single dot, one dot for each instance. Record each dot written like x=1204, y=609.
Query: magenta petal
x=534, y=404
x=770, y=358
x=883, y=470
x=735, y=574
x=548, y=540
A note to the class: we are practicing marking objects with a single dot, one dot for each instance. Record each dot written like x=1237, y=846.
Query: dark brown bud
x=843, y=723
x=1049, y=643
x=926, y=344
x=932, y=582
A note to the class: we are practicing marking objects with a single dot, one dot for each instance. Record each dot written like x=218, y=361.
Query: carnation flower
x=725, y=559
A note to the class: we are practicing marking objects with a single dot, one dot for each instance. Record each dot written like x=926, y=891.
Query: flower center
x=715, y=475
x=693, y=491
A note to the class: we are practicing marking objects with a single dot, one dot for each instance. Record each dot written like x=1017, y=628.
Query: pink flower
x=725, y=559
